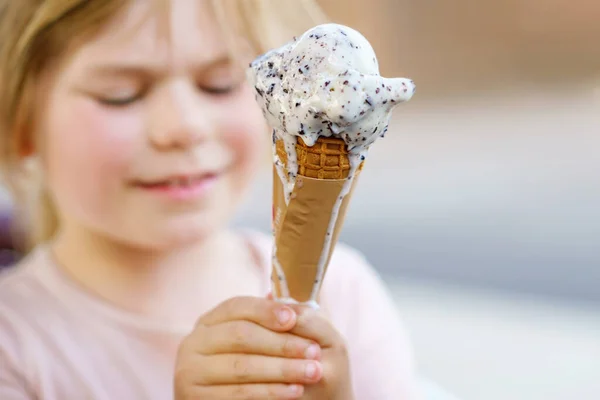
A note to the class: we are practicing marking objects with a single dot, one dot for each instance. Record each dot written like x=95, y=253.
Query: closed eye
x=220, y=90
x=120, y=101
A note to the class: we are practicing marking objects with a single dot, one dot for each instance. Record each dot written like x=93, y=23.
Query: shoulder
x=21, y=285
x=25, y=301
x=23, y=306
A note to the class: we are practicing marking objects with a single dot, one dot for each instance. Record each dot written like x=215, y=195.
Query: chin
x=176, y=235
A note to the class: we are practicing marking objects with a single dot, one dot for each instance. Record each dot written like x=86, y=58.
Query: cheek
x=87, y=150
x=246, y=133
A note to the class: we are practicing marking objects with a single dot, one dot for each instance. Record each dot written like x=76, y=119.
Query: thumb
x=270, y=296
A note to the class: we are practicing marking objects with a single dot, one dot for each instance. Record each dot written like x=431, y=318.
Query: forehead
x=173, y=33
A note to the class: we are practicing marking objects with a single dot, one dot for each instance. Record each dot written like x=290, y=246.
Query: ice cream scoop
x=327, y=83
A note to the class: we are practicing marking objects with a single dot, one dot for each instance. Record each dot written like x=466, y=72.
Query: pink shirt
x=58, y=342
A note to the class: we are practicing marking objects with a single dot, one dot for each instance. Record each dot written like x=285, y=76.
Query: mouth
x=176, y=181
x=180, y=187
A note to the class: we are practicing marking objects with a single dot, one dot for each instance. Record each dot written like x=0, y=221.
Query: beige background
x=465, y=45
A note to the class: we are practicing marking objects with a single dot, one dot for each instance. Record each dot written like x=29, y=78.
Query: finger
x=314, y=325
x=249, y=392
x=245, y=337
x=228, y=369
x=267, y=313
x=270, y=296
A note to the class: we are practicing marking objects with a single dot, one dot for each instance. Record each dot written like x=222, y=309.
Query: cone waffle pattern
x=327, y=159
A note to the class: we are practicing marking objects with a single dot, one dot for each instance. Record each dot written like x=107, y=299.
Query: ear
x=26, y=148
x=24, y=142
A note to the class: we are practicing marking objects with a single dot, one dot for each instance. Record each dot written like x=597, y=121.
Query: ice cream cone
x=301, y=226
x=305, y=93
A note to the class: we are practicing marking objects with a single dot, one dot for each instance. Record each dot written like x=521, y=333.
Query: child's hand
x=336, y=382
x=242, y=350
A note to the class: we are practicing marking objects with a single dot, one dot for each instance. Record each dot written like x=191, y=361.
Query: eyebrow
x=149, y=70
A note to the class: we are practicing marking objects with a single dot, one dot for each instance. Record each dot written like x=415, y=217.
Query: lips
x=181, y=181
x=182, y=188
x=176, y=181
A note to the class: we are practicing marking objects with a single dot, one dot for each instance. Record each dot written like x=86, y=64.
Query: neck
x=161, y=285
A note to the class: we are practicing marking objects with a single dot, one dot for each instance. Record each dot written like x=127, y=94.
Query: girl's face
x=150, y=134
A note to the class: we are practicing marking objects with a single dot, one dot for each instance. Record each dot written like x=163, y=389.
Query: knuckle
x=183, y=377
x=199, y=392
x=242, y=392
x=275, y=391
x=191, y=393
x=199, y=322
x=193, y=343
x=190, y=372
x=240, y=368
x=183, y=349
x=236, y=303
x=241, y=334
x=289, y=346
x=230, y=305
x=290, y=370
x=342, y=349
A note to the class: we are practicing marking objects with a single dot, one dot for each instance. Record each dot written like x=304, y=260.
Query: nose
x=178, y=118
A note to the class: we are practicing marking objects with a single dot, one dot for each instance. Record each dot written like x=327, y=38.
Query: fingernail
x=312, y=352
x=310, y=371
x=294, y=389
x=284, y=316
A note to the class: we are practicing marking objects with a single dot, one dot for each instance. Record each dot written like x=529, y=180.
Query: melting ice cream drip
x=355, y=161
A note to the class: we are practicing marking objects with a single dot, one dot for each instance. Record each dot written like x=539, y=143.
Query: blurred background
x=481, y=207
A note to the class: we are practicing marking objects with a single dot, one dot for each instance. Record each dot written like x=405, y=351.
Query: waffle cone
x=327, y=159
x=300, y=227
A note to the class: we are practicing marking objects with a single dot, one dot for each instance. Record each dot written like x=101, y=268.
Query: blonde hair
x=37, y=34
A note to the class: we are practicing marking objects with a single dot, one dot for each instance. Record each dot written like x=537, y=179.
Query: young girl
x=140, y=136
